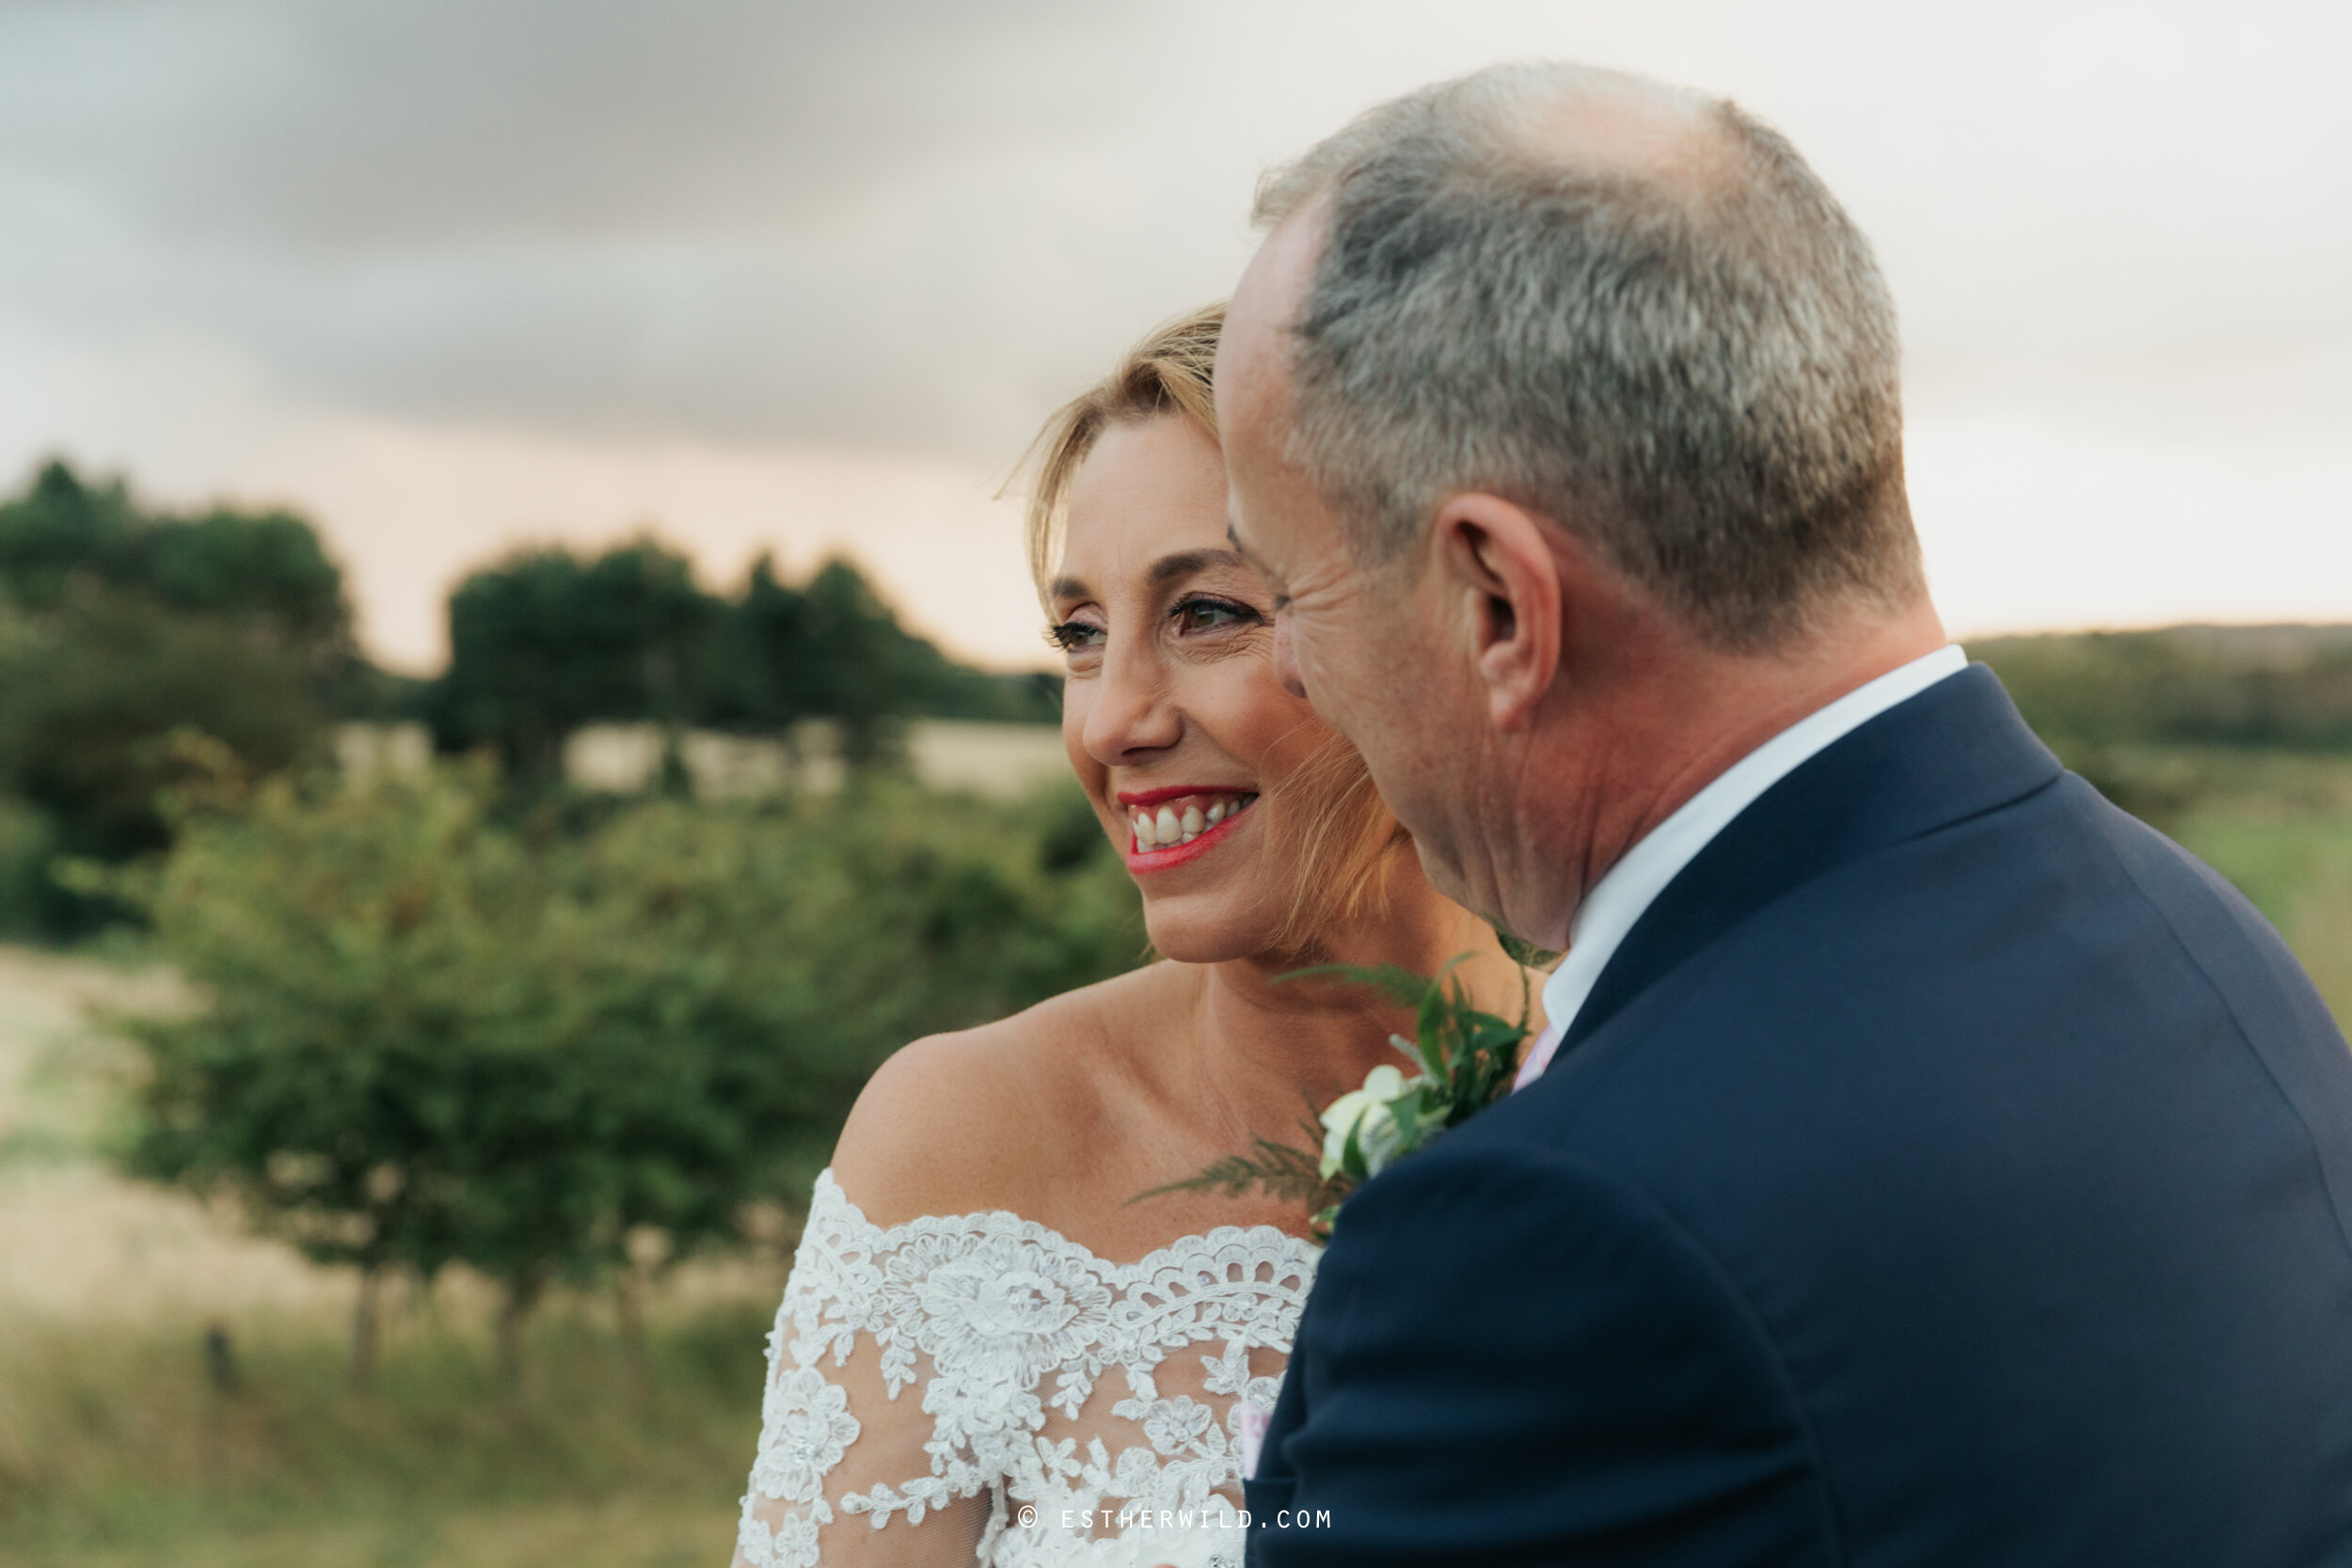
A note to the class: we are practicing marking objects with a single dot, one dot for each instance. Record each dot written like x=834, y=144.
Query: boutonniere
x=1461, y=1060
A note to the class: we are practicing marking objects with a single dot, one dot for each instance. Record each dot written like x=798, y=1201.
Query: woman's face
x=1172, y=714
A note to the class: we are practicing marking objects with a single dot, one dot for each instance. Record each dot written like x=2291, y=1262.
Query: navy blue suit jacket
x=1947, y=1170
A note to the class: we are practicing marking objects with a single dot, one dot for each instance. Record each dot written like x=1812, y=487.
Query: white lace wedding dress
x=979, y=1388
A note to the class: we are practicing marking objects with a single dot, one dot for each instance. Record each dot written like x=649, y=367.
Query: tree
x=60, y=527
x=867, y=669
x=425, y=1041
x=832, y=649
x=776, y=669
x=546, y=640
x=124, y=633
x=426, y=1037
x=263, y=572
x=341, y=946
x=95, y=690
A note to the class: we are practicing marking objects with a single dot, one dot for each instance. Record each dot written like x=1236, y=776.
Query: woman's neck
x=1265, y=1041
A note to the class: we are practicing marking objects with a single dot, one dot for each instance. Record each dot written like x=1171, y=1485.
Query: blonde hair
x=1344, y=840
x=1340, y=833
x=1169, y=373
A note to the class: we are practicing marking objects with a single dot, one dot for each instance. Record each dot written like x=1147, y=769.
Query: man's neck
x=1674, y=738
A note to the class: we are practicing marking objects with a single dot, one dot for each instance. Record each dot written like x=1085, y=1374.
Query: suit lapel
x=1954, y=751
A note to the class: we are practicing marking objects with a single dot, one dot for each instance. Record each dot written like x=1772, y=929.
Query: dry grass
x=77, y=1243
x=118, y=1445
x=639, y=1532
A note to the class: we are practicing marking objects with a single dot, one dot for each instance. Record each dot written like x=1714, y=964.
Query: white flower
x=1365, y=1112
x=808, y=1428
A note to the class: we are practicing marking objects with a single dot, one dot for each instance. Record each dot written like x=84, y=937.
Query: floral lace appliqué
x=974, y=1345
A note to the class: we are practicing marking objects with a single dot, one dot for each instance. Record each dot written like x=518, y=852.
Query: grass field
x=119, y=1443
x=120, y=1446
x=2280, y=826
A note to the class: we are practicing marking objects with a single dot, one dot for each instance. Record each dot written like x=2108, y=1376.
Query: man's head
x=1562, y=409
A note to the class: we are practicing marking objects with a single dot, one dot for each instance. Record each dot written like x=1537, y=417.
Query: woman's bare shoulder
x=993, y=1117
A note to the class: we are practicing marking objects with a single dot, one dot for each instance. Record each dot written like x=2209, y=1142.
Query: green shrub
x=27, y=842
x=427, y=1036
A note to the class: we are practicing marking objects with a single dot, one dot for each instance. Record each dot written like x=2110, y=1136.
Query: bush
x=125, y=634
x=429, y=1038
x=27, y=842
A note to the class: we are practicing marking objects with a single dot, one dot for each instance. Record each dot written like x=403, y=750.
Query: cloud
x=346, y=129
x=765, y=222
x=607, y=233
x=916, y=225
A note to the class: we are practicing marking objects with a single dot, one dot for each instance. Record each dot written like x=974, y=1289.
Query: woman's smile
x=1178, y=823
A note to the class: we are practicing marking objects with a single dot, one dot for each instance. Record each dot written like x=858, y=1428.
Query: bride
x=985, y=1352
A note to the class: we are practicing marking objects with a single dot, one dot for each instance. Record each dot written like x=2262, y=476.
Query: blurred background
x=518, y=685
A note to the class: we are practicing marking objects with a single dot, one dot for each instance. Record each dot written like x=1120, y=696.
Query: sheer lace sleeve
x=845, y=1442
x=931, y=1394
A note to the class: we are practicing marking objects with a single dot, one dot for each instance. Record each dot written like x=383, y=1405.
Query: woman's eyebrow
x=1066, y=588
x=1183, y=563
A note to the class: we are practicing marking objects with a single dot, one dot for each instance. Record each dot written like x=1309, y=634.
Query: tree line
x=474, y=1018
x=546, y=640
x=2282, y=688
x=125, y=632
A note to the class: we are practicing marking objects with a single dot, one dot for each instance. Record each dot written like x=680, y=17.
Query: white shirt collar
x=1628, y=888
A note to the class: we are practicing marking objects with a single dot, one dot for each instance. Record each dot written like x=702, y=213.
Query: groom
x=1939, y=1168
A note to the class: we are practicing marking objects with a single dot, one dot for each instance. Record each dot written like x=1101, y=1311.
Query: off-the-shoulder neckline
x=1036, y=1231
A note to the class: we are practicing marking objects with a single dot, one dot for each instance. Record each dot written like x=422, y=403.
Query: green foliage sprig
x=1465, y=1056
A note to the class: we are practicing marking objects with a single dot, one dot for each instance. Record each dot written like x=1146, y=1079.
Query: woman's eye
x=1209, y=614
x=1071, y=636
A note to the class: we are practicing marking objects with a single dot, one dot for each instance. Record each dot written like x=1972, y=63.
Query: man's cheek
x=1326, y=684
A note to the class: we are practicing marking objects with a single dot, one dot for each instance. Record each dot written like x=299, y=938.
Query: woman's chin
x=1205, y=935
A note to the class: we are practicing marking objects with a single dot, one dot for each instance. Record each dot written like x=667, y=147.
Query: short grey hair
x=1689, y=359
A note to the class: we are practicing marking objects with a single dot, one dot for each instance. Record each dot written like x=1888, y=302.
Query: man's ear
x=1496, y=558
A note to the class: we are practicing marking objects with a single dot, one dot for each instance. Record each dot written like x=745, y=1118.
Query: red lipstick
x=1175, y=792
x=1141, y=860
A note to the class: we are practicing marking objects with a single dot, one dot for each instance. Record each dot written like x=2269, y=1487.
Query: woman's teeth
x=1166, y=829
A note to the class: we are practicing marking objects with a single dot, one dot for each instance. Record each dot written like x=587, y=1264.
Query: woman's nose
x=1131, y=711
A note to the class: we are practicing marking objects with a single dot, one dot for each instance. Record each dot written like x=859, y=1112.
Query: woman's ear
x=1497, y=560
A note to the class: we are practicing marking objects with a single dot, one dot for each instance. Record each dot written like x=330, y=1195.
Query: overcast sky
x=452, y=276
